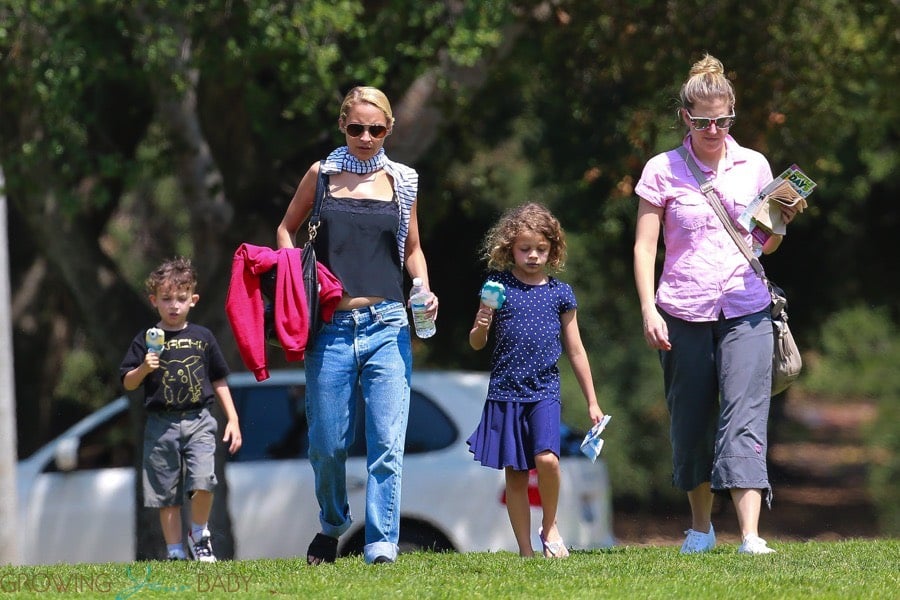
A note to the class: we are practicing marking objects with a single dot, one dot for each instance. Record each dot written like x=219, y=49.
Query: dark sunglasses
x=356, y=130
x=701, y=123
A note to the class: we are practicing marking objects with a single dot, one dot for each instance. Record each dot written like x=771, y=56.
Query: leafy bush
x=80, y=381
x=860, y=354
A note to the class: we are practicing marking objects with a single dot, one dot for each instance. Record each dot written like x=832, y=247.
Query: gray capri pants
x=717, y=381
x=179, y=454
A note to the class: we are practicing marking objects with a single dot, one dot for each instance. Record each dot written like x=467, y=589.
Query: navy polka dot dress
x=516, y=423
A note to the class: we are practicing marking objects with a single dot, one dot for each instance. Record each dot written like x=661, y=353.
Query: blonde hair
x=370, y=95
x=498, y=242
x=706, y=82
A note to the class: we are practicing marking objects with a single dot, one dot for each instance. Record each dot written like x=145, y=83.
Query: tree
x=131, y=132
x=579, y=104
x=108, y=101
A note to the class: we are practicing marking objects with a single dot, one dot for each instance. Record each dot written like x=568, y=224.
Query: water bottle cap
x=417, y=282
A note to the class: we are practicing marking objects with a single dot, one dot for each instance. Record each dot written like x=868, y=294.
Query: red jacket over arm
x=245, y=305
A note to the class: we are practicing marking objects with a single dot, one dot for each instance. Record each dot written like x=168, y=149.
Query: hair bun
x=708, y=65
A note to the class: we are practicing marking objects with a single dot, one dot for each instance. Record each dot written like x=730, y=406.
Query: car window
x=110, y=444
x=274, y=427
x=273, y=422
x=429, y=428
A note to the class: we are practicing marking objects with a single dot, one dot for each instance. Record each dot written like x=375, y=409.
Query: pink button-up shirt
x=704, y=273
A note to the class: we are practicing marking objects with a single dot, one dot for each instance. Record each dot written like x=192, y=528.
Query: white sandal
x=553, y=549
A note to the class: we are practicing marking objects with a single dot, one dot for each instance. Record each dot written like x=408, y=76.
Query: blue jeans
x=364, y=351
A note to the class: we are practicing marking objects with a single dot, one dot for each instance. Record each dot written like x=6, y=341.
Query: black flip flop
x=323, y=549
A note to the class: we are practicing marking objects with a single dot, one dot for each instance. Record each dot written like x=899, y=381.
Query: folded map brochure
x=593, y=443
x=764, y=213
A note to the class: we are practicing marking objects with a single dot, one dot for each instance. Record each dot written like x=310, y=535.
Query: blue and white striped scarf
x=406, y=183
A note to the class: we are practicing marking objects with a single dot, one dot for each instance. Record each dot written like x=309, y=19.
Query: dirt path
x=817, y=468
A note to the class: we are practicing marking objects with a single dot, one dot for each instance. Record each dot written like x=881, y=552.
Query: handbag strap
x=314, y=220
x=716, y=204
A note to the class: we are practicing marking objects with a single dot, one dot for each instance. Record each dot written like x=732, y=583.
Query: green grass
x=849, y=569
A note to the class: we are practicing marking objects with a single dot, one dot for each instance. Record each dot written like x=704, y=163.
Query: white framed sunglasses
x=701, y=123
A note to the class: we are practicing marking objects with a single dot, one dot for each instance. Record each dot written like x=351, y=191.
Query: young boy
x=179, y=382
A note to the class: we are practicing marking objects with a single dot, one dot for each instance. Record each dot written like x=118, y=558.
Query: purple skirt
x=511, y=433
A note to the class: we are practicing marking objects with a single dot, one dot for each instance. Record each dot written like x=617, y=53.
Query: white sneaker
x=697, y=541
x=201, y=549
x=753, y=544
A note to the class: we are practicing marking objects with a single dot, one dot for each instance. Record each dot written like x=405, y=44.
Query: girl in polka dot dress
x=519, y=428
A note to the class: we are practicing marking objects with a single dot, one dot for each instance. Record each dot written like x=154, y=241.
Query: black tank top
x=357, y=241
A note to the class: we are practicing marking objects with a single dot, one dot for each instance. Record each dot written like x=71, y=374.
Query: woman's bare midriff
x=349, y=303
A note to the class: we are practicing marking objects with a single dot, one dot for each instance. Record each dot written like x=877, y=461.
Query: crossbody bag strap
x=314, y=220
x=707, y=189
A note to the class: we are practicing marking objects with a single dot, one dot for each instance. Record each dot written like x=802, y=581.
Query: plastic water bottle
x=418, y=299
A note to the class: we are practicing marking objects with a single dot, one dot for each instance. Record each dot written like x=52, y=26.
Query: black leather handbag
x=310, y=274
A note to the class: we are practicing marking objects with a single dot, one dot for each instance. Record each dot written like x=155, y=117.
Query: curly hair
x=175, y=273
x=497, y=247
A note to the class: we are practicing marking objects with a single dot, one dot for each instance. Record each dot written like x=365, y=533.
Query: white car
x=76, y=494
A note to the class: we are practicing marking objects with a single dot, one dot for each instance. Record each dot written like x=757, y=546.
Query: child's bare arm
x=479, y=333
x=574, y=348
x=135, y=377
x=232, y=427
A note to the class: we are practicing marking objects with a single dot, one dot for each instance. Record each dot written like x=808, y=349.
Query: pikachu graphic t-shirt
x=188, y=364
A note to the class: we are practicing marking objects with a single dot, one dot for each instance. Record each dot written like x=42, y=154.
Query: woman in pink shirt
x=709, y=316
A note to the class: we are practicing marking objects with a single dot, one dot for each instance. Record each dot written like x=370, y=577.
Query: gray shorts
x=179, y=455
x=717, y=380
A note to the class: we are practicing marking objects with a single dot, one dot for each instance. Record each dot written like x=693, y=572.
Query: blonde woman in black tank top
x=369, y=232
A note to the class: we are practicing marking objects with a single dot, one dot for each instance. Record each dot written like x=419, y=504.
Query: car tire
x=418, y=537
x=415, y=536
